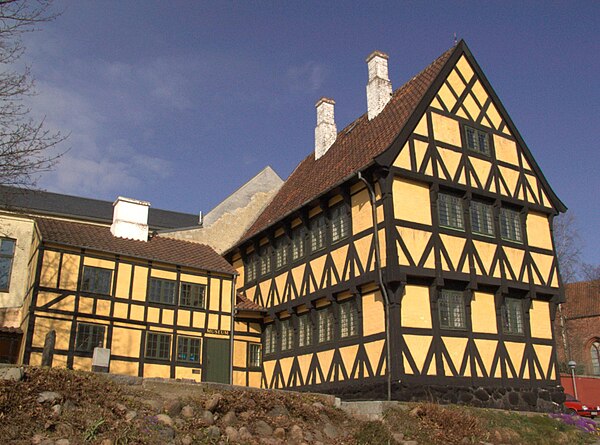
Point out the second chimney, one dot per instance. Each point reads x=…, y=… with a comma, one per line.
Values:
x=379, y=88
x=325, y=131
x=130, y=219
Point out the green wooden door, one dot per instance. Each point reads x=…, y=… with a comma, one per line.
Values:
x=215, y=366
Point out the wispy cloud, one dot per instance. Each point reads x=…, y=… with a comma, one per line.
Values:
x=307, y=77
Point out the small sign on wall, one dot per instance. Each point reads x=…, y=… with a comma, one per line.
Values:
x=218, y=331
x=101, y=360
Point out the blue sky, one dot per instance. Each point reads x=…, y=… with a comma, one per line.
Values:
x=179, y=103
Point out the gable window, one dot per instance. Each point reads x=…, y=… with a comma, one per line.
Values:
x=451, y=309
x=512, y=316
x=297, y=243
x=270, y=339
x=595, y=351
x=7, y=251
x=317, y=233
x=477, y=140
x=158, y=345
x=348, y=319
x=325, y=323
x=265, y=261
x=450, y=211
x=192, y=295
x=281, y=252
x=340, y=223
x=305, y=336
x=161, y=291
x=510, y=225
x=287, y=335
x=254, y=355
x=89, y=336
x=188, y=349
x=96, y=279
x=251, y=266
x=482, y=220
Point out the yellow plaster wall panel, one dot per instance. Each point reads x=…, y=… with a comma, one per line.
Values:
x=265, y=286
x=483, y=313
x=140, y=281
x=446, y=129
x=97, y=262
x=238, y=265
x=199, y=320
x=479, y=92
x=86, y=305
x=515, y=259
x=487, y=351
x=362, y=217
x=304, y=364
x=239, y=378
x=317, y=266
x=422, y=126
x=163, y=274
x=35, y=359
x=482, y=169
x=418, y=345
x=373, y=313
x=506, y=150
x=225, y=323
x=239, y=353
x=416, y=241
x=45, y=325
x=123, y=280
x=268, y=367
x=152, y=370
x=215, y=294
x=435, y=103
x=454, y=247
x=44, y=298
x=348, y=358
x=297, y=274
x=103, y=307
x=416, y=310
x=456, y=82
x=472, y=107
x=126, y=342
x=486, y=252
x=325, y=358
x=182, y=372
x=451, y=160
x=69, y=272
x=511, y=178
x=339, y=256
x=167, y=316
x=59, y=361
x=183, y=317
x=153, y=314
x=539, y=318
x=286, y=366
x=533, y=183
x=411, y=201
x=50, y=267
x=82, y=363
x=137, y=312
x=123, y=368
x=515, y=352
x=226, y=303
x=254, y=379
x=382, y=248
x=465, y=68
x=374, y=350
x=456, y=347
x=544, y=264
x=197, y=279
x=250, y=293
x=447, y=97
x=363, y=246
x=333, y=201
x=420, y=150
x=538, y=231
x=213, y=321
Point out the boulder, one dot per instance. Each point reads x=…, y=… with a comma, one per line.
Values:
x=262, y=428
x=213, y=403
x=48, y=396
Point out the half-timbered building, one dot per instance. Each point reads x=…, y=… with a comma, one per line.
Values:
x=411, y=254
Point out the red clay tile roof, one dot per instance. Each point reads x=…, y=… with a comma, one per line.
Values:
x=583, y=299
x=354, y=149
x=242, y=303
x=158, y=248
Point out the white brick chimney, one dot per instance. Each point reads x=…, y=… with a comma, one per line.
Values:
x=130, y=219
x=325, y=131
x=379, y=88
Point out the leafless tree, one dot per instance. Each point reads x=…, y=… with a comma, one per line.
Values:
x=25, y=143
x=568, y=246
x=590, y=272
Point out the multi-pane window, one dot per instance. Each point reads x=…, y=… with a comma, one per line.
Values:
x=251, y=267
x=510, y=225
x=477, y=140
x=595, y=351
x=287, y=335
x=304, y=331
x=254, y=355
x=317, y=233
x=450, y=211
x=282, y=252
x=348, y=319
x=451, y=308
x=89, y=336
x=340, y=223
x=265, y=261
x=192, y=295
x=96, y=279
x=270, y=339
x=7, y=251
x=512, y=316
x=188, y=349
x=297, y=243
x=158, y=345
x=325, y=323
x=161, y=291
x=482, y=220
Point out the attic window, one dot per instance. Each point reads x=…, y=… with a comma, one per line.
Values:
x=477, y=140
x=351, y=127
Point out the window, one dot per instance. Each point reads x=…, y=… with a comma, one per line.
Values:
x=7, y=251
x=325, y=320
x=317, y=233
x=158, y=345
x=287, y=335
x=161, y=291
x=595, y=351
x=477, y=140
x=281, y=252
x=265, y=261
x=270, y=339
x=96, y=279
x=512, y=316
x=297, y=243
x=482, y=220
x=304, y=331
x=188, y=349
x=251, y=267
x=348, y=319
x=510, y=225
x=89, y=336
x=254, y=355
x=192, y=295
x=451, y=308
x=340, y=223
x=450, y=211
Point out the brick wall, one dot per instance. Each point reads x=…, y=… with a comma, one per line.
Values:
x=580, y=334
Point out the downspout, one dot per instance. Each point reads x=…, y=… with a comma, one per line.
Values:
x=231, y=328
x=381, y=285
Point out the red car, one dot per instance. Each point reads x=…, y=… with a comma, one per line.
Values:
x=574, y=406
